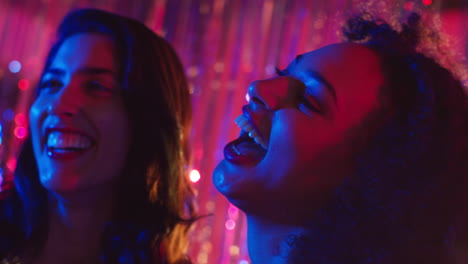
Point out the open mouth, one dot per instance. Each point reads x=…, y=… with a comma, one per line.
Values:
x=250, y=148
x=62, y=142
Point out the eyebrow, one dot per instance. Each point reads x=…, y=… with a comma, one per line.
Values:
x=84, y=70
x=316, y=75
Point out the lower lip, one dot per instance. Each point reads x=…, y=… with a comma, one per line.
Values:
x=65, y=155
x=231, y=155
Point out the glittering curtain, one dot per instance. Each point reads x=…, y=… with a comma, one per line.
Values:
x=224, y=45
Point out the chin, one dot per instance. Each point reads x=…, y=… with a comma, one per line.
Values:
x=60, y=187
x=233, y=182
x=240, y=186
x=59, y=183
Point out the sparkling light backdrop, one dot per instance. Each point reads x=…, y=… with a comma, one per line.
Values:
x=224, y=45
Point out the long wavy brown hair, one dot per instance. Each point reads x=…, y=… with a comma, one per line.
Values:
x=155, y=207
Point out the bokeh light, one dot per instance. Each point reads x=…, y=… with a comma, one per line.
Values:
x=234, y=250
x=427, y=2
x=194, y=176
x=233, y=212
x=11, y=164
x=14, y=66
x=20, y=132
x=192, y=71
x=8, y=114
x=247, y=97
x=243, y=262
x=23, y=84
x=230, y=224
x=20, y=119
x=409, y=6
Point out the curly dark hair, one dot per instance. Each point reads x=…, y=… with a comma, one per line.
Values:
x=406, y=202
x=155, y=207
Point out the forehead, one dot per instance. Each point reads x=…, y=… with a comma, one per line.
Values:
x=353, y=59
x=85, y=50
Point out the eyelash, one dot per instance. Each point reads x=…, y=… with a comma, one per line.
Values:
x=302, y=98
x=306, y=102
x=281, y=72
x=49, y=84
x=93, y=85
x=55, y=84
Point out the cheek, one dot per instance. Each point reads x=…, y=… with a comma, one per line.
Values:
x=35, y=115
x=304, y=137
x=114, y=128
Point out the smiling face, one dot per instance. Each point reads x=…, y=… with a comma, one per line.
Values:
x=303, y=121
x=79, y=127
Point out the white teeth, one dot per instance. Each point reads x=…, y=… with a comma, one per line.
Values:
x=244, y=124
x=241, y=120
x=57, y=139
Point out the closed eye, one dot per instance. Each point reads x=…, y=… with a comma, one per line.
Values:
x=308, y=103
x=281, y=72
x=94, y=86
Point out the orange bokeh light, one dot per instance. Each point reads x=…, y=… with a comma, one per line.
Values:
x=194, y=176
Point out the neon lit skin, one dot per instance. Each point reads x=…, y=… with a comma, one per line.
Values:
x=79, y=102
x=306, y=118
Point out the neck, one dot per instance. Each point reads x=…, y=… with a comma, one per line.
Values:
x=269, y=241
x=76, y=222
x=77, y=215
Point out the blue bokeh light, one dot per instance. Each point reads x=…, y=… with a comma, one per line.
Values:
x=8, y=114
x=14, y=66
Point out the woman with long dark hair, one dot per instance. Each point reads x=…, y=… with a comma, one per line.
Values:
x=355, y=153
x=101, y=179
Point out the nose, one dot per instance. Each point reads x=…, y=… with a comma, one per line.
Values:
x=65, y=102
x=275, y=93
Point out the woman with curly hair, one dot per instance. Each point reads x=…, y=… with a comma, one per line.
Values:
x=102, y=177
x=355, y=153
